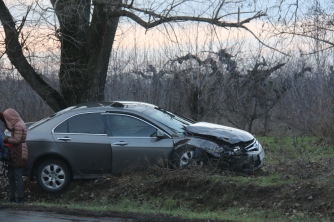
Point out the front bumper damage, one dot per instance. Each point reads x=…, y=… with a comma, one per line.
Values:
x=238, y=158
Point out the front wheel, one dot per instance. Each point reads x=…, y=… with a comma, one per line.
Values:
x=185, y=157
x=53, y=176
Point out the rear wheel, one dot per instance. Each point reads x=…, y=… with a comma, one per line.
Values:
x=53, y=176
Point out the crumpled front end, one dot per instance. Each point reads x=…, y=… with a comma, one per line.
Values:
x=241, y=157
x=248, y=158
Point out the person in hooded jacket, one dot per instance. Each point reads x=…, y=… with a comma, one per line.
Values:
x=18, y=152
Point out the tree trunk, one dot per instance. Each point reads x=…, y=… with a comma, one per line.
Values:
x=85, y=49
x=102, y=35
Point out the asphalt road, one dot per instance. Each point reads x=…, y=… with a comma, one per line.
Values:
x=8, y=215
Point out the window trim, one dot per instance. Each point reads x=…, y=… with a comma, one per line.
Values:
x=76, y=114
x=136, y=117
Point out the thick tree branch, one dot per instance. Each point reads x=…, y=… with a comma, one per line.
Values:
x=15, y=55
x=159, y=19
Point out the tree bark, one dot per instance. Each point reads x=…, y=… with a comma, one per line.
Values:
x=102, y=34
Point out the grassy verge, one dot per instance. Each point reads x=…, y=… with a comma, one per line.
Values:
x=171, y=208
x=295, y=184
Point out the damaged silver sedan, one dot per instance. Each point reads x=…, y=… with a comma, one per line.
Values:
x=88, y=140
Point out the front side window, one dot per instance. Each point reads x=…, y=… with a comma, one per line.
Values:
x=90, y=123
x=128, y=126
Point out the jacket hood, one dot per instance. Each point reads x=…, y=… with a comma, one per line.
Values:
x=225, y=133
x=11, y=117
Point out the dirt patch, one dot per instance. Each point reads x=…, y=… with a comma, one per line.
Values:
x=305, y=196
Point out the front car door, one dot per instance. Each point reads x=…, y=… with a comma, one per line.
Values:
x=134, y=142
x=84, y=141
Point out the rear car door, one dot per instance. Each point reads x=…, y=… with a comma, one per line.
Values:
x=134, y=142
x=84, y=141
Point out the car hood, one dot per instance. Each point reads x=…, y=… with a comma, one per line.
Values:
x=225, y=133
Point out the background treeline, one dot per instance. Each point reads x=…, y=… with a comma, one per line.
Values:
x=263, y=96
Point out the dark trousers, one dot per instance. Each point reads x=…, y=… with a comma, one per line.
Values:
x=15, y=182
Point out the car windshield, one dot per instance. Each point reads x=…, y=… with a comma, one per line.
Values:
x=175, y=122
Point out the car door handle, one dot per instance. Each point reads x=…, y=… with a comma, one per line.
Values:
x=120, y=143
x=64, y=139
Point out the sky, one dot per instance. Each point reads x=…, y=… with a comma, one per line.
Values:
x=131, y=33
x=179, y=38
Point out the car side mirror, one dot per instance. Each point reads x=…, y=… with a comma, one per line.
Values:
x=160, y=134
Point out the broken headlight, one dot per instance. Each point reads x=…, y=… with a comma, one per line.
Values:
x=237, y=150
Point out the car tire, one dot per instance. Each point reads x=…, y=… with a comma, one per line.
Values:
x=53, y=176
x=183, y=157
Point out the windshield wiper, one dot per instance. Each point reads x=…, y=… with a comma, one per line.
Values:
x=165, y=111
x=178, y=117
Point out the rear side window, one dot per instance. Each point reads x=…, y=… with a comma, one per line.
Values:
x=90, y=123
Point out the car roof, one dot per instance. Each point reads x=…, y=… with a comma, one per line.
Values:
x=108, y=106
x=114, y=104
x=128, y=106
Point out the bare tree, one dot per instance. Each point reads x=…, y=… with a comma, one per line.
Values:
x=86, y=31
x=304, y=25
x=306, y=28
